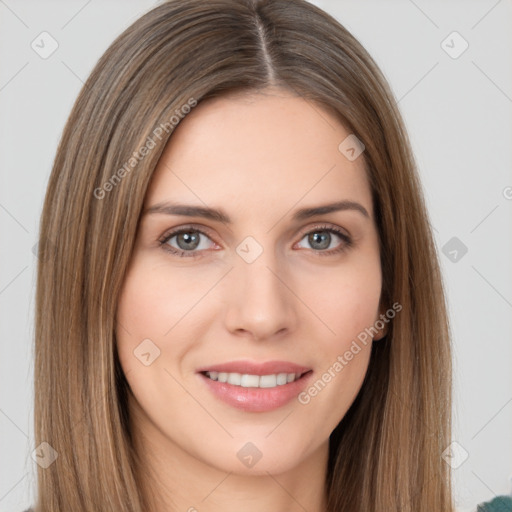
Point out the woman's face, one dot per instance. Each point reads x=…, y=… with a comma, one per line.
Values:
x=266, y=292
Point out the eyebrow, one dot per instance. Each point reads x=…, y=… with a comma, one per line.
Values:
x=217, y=214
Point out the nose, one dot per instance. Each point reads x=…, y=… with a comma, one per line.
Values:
x=261, y=303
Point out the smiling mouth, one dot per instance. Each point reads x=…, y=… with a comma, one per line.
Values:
x=246, y=380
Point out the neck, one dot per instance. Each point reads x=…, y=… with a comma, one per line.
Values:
x=175, y=480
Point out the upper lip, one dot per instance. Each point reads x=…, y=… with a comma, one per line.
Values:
x=255, y=368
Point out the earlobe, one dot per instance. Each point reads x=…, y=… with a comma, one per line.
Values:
x=381, y=324
x=381, y=335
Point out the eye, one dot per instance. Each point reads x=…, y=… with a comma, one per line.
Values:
x=188, y=239
x=321, y=238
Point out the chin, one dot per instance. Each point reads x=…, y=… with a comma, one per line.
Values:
x=260, y=455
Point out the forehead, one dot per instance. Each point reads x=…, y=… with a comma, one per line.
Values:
x=258, y=152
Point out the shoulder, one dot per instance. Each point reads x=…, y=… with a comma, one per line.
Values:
x=498, y=504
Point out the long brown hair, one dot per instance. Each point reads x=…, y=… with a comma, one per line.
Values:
x=385, y=455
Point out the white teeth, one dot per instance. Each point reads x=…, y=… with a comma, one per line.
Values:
x=234, y=378
x=268, y=381
x=250, y=381
x=254, y=381
x=281, y=379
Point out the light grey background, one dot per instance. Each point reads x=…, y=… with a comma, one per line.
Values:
x=458, y=113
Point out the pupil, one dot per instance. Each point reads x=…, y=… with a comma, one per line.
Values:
x=324, y=239
x=190, y=241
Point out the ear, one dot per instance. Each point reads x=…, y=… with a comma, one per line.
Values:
x=381, y=323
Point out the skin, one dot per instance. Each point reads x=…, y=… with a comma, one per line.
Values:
x=259, y=157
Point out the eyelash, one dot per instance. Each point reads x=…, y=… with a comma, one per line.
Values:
x=195, y=254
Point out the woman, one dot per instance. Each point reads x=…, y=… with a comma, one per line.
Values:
x=239, y=303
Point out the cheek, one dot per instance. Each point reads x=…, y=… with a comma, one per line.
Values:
x=147, y=310
x=141, y=316
x=158, y=304
x=348, y=307
x=330, y=395
x=151, y=302
x=345, y=300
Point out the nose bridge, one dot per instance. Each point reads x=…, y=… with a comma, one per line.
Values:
x=260, y=301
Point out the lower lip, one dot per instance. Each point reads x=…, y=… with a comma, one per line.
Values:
x=256, y=399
